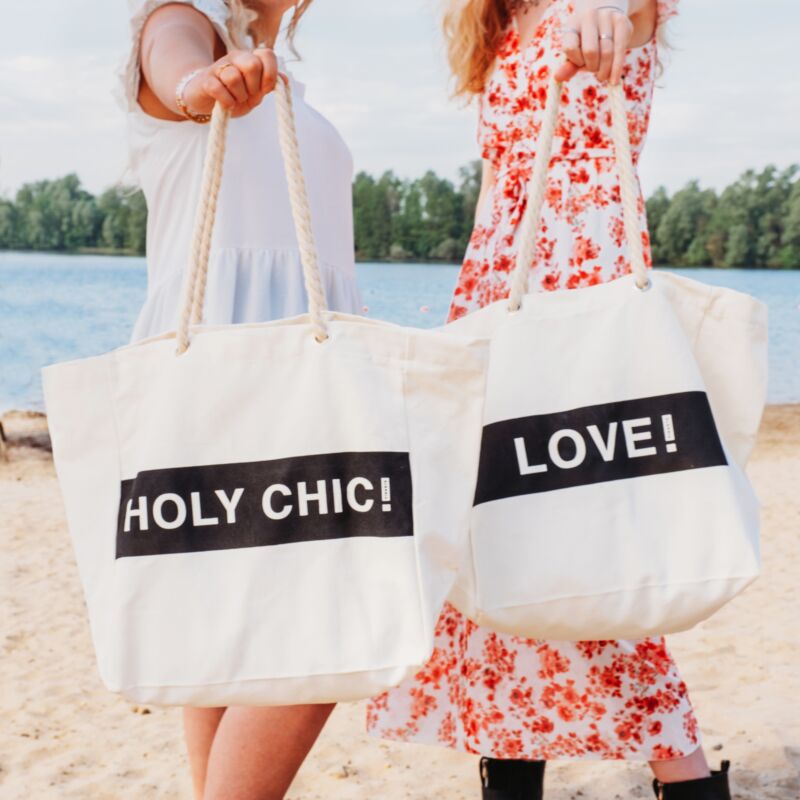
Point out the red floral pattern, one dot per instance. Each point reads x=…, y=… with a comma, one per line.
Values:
x=580, y=240
x=489, y=693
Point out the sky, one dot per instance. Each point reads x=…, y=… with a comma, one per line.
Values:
x=729, y=98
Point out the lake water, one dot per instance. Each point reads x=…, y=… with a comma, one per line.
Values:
x=55, y=308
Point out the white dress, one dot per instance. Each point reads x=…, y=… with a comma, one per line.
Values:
x=255, y=274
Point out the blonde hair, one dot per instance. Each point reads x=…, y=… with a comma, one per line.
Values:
x=243, y=16
x=473, y=30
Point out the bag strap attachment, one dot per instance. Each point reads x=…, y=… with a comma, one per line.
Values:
x=537, y=190
x=197, y=277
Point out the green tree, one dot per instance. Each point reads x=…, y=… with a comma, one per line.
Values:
x=657, y=206
x=681, y=233
x=57, y=215
x=375, y=203
x=9, y=226
x=790, y=240
x=136, y=235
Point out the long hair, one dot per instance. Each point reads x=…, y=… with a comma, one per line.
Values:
x=473, y=31
x=243, y=16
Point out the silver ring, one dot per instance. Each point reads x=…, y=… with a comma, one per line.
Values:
x=607, y=36
x=611, y=8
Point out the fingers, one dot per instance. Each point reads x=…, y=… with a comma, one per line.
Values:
x=590, y=42
x=269, y=70
x=250, y=67
x=566, y=71
x=247, y=76
x=596, y=40
x=605, y=27
x=571, y=46
x=571, y=43
x=214, y=88
x=623, y=31
x=229, y=75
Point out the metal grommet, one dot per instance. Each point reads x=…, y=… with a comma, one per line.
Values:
x=646, y=287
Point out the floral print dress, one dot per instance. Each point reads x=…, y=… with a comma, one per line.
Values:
x=493, y=694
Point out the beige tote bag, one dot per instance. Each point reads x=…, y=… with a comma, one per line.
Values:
x=267, y=514
x=611, y=500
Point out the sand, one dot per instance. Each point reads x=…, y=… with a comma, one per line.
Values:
x=64, y=736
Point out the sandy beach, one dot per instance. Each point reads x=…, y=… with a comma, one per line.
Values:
x=64, y=736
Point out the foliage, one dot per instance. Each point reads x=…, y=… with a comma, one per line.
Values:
x=754, y=222
x=60, y=215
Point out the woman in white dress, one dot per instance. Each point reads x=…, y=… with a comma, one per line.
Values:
x=186, y=56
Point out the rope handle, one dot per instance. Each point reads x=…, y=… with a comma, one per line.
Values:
x=197, y=276
x=537, y=190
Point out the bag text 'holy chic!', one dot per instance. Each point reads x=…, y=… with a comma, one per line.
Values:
x=229, y=506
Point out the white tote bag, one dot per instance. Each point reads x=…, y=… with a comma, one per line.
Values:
x=267, y=514
x=611, y=500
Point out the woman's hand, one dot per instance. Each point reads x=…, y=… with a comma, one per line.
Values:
x=177, y=41
x=596, y=38
x=239, y=81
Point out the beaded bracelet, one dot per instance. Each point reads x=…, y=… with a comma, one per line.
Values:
x=202, y=119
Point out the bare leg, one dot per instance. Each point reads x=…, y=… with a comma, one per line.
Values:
x=682, y=769
x=257, y=751
x=200, y=726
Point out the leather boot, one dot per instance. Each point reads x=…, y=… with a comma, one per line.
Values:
x=713, y=788
x=509, y=779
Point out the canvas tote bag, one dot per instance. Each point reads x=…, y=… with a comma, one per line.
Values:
x=267, y=514
x=611, y=500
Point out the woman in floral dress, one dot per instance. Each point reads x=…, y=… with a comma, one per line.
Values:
x=517, y=702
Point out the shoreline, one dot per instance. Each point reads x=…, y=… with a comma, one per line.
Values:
x=431, y=262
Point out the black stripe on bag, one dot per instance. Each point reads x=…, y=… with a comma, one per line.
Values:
x=231, y=506
x=596, y=444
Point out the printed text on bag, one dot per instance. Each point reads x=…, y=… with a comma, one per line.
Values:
x=609, y=442
x=230, y=506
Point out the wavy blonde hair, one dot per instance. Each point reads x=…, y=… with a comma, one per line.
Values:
x=473, y=31
x=243, y=16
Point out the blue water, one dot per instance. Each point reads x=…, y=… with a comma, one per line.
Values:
x=55, y=308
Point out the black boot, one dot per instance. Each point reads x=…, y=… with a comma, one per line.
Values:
x=508, y=779
x=713, y=788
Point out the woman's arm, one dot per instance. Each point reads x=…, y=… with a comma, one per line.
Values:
x=177, y=40
x=488, y=180
x=600, y=32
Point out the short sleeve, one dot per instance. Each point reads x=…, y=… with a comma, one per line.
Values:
x=129, y=71
x=666, y=10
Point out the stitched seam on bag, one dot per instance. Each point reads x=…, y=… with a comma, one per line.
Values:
x=707, y=307
x=559, y=598
x=118, y=445
x=242, y=681
x=426, y=633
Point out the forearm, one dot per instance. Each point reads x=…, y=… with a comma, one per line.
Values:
x=644, y=16
x=176, y=40
x=488, y=179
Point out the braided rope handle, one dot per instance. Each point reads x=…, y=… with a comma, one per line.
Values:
x=197, y=277
x=195, y=285
x=537, y=190
x=301, y=210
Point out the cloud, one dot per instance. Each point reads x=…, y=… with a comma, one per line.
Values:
x=377, y=69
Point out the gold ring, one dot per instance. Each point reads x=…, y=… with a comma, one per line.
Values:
x=222, y=69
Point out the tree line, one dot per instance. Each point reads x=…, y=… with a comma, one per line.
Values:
x=754, y=222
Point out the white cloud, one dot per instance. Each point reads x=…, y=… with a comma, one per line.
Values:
x=729, y=99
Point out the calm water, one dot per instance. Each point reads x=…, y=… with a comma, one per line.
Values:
x=55, y=308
